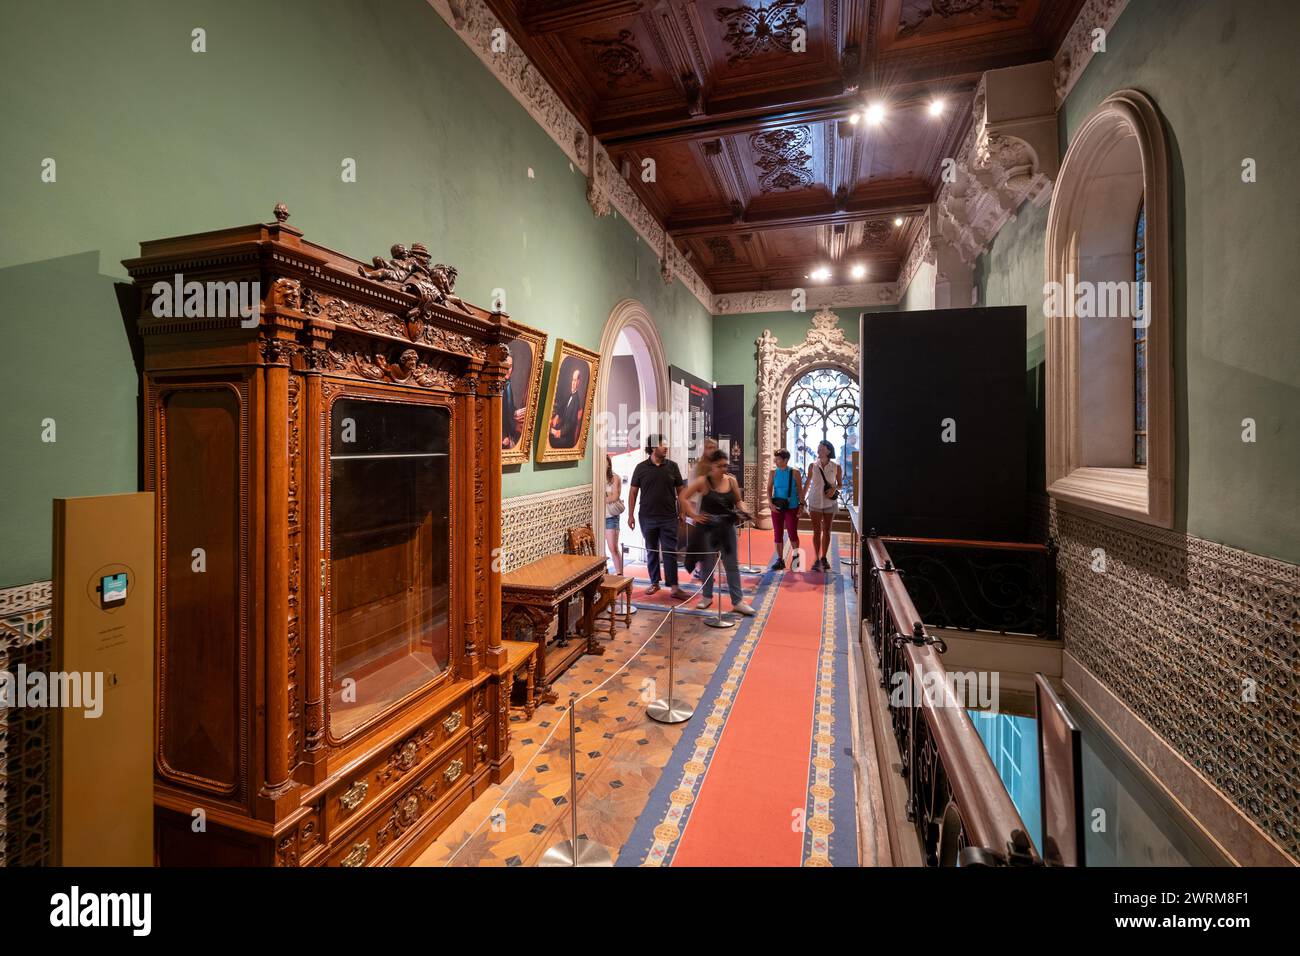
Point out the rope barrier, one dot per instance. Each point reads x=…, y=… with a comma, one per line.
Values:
x=573, y=702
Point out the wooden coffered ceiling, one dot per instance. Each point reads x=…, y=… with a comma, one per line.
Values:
x=732, y=118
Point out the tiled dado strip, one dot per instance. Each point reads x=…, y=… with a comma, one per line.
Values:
x=1201, y=642
x=533, y=526
x=24, y=795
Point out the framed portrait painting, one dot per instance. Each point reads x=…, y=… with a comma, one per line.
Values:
x=521, y=394
x=566, y=409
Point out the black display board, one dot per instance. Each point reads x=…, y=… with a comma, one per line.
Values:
x=944, y=422
x=729, y=420
x=691, y=404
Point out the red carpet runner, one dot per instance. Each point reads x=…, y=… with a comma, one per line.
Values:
x=764, y=778
x=758, y=779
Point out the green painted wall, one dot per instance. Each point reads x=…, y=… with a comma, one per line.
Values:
x=153, y=140
x=735, y=356
x=1223, y=77
x=919, y=294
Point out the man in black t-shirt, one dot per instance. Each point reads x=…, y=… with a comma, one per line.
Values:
x=656, y=482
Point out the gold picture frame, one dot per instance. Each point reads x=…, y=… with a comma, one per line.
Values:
x=561, y=423
x=525, y=385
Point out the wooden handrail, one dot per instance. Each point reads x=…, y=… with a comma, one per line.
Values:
x=989, y=818
x=966, y=543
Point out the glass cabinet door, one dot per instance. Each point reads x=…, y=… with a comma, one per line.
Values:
x=389, y=554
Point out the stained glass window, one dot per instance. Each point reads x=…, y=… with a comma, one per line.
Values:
x=822, y=404
x=1140, y=340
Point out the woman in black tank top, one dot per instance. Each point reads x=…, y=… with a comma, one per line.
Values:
x=721, y=509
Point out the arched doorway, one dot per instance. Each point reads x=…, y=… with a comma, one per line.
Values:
x=778, y=368
x=822, y=404
x=631, y=399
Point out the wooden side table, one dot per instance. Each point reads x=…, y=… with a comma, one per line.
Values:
x=534, y=596
x=521, y=663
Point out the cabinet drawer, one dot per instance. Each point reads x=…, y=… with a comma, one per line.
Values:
x=392, y=767
x=404, y=809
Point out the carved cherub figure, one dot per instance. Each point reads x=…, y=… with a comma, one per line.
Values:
x=444, y=280
x=397, y=269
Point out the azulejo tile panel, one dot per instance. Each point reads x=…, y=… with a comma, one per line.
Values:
x=24, y=734
x=1200, y=640
x=533, y=526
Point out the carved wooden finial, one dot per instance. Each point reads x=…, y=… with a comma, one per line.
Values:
x=281, y=212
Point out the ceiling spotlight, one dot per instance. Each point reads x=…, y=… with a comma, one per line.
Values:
x=898, y=220
x=936, y=107
x=821, y=274
x=859, y=271
x=853, y=119
x=875, y=113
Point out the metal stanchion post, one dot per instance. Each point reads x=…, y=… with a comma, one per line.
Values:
x=578, y=851
x=631, y=608
x=668, y=710
x=749, y=567
x=720, y=620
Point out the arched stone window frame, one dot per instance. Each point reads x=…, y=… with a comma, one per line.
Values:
x=778, y=368
x=1078, y=384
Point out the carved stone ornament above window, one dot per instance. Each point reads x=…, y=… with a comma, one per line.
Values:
x=1001, y=163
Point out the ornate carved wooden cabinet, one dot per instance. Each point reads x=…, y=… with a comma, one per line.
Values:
x=328, y=475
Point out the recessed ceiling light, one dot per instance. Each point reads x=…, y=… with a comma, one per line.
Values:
x=936, y=107
x=853, y=119
x=898, y=220
x=859, y=271
x=821, y=273
x=875, y=113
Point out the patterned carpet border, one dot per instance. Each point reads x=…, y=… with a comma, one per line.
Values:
x=655, y=836
x=831, y=786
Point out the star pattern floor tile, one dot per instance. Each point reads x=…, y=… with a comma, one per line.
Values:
x=621, y=751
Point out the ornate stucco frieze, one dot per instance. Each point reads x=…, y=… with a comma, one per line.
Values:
x=817, y=297
x=475, y=24
x=1077, y=50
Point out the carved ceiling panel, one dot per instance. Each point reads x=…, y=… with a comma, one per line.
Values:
x=618, y=58
x=781, y=157
x=731, y=118
x=752, y=31
x=920, y=17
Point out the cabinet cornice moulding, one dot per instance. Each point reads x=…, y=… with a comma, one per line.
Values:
x=474, y=23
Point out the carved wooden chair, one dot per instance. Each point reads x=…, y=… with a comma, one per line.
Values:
x=581, y=540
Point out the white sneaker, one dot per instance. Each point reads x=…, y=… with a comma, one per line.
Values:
x=745, y=608
x=704, y=603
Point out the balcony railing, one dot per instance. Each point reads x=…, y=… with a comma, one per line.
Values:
x=1008, y=587
x=955, y=798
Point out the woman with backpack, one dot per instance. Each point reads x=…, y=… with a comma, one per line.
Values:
x=785, y=492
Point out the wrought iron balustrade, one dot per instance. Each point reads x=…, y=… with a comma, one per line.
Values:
x=1008, y=587
x=955, y=798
